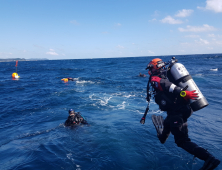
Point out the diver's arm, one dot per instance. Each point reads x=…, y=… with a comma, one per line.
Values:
x=84, y=121
x=162, y=84
x=165, y=85
x=81, y=119
x=67, y=122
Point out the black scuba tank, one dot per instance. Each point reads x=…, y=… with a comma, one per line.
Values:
x=179, y=75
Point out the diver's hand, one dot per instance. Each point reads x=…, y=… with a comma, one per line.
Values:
x=142, y=121
x=191, y=95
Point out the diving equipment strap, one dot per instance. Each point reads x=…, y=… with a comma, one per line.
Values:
x=142, y=121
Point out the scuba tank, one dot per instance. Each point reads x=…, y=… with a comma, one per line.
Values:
x=179, y=75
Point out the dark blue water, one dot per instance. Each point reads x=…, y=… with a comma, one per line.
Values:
x=111, y=96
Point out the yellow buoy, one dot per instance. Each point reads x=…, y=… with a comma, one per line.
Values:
x=15, y=75
x=65, y=79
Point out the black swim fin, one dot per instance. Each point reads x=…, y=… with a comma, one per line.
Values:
x=158, y=123
x=210, y=164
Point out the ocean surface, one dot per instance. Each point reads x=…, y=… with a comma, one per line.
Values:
x=111, y=96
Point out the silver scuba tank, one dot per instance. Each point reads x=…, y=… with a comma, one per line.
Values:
x=179, y=75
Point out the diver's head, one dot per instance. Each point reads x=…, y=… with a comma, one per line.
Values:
x=155, y=66
x=71, y=111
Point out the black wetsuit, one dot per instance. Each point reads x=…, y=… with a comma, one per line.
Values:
x=71, y=79
x=75, y=120
x=178, y=111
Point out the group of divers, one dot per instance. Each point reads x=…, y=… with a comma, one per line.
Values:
x=176, y=93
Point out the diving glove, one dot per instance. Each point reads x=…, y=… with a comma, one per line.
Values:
x=189, y=95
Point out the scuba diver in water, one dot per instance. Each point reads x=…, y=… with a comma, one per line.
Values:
x=68, y=79
x=176, y=101
x=74, y=118
x=142, y=75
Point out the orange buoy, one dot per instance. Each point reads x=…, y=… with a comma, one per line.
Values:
x=15, y=75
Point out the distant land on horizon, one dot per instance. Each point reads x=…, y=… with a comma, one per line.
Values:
x=37, y=59
x=21, y=59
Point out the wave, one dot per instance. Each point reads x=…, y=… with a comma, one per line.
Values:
x=108, y=101
x=78, y=81
x=103, y=101
x=213, y=56
x=116, y=101
x=84, y=82
x=122, y=105
x=139, y=112
x=214, y=69
x=123, y=94
x=25, y=135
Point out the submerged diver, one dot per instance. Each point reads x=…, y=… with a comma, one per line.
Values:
x=175, y=101
x=142, y=75
x=74, y=118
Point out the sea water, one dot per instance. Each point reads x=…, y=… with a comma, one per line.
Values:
x=111, y=96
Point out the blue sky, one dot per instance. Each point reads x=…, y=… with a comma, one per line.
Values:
x=73, y=29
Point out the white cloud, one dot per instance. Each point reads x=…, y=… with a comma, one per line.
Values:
x=218, y=42
x=5, y=55
x=119, y=46
x=201, y=42
x=151, y=52
x=74, y=22
x=118, y=24
x=211, y=35
x=185, y=44
x=184, y=13
x=199, y=7
x=171, y=20
x=192, y=36
x=154, y=19
x=204, y=41
x=156, y=13
x=203, y=28
x=214, y=5
x=51, y=52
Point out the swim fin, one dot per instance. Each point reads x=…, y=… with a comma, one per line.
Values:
x=158, y=123
x=210, y=164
